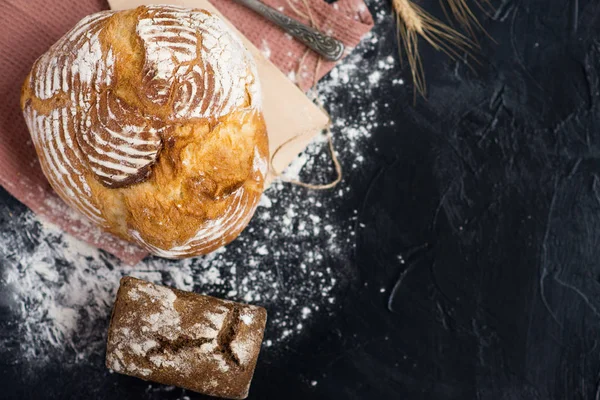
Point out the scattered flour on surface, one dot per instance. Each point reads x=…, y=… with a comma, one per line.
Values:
x=265, y=49
x=59, y=291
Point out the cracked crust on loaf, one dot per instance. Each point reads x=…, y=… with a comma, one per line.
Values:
x=185, y=339
x=148, y=122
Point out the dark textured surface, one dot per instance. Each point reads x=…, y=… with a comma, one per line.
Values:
x=479, y=211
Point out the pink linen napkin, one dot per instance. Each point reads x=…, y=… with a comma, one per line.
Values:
x=30, y=27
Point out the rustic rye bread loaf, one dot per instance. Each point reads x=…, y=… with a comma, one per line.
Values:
x=179, y=338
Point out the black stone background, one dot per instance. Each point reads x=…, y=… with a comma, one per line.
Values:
x=490, y=192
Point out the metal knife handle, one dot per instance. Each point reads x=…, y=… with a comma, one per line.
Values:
x=330, y=48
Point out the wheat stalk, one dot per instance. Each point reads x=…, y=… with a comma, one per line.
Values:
x=414, y=22
x=465, y=17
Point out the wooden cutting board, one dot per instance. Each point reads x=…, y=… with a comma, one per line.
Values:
x=287, y=110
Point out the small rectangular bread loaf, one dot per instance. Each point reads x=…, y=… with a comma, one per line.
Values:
x=184, y=339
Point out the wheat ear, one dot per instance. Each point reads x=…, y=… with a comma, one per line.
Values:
x=465, y=17
x=414, y=22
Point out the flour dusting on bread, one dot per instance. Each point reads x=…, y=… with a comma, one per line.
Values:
x=213, y=87
x=148, y=122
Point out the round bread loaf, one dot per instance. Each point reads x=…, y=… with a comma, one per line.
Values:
x=148, y=122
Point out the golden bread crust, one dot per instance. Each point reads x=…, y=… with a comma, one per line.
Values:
x=148, y=122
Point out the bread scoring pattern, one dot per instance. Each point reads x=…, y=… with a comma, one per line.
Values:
x=87, y=129
x=194, y=56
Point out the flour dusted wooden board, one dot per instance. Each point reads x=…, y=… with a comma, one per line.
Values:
x=287, y=110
